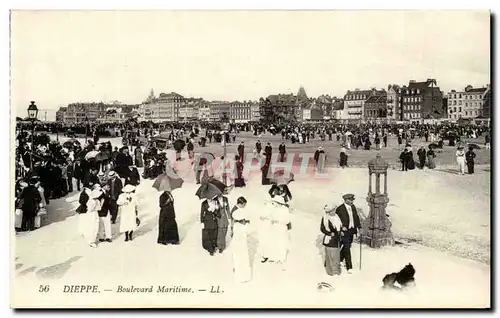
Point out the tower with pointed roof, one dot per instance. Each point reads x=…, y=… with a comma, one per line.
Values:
x=151, y=96
x=301, y=94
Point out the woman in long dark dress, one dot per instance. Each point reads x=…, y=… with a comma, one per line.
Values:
x=168, y=232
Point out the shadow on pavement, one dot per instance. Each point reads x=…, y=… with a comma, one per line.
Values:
x=58, y=270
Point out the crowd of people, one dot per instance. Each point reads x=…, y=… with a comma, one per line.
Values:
x=108, y=178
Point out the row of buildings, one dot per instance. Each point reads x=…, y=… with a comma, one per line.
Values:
x=95, y=112
x=415, y=102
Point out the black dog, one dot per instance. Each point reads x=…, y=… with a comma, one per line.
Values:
x=405, y=278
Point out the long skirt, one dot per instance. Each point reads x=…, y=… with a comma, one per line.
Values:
x=89, y=226
x=332, y=260
x=321, y=162
x=430, y=162
x=461, y=165
x=209, y=239
x=241, y=259
x=280, y=243
x=168, y=232
x=221, y=238
x=138, y=161
x=127, y=220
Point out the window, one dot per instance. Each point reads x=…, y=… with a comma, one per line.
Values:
x=459, y=95
x=454, y=102
x=449, y=102
x=466, y=113
x=466, y=104
x=460, y=102
x=454, y=95
x=459, y=109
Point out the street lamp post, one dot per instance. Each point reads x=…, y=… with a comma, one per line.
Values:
x=86, y=127
x=225, y=120
x=32, y=114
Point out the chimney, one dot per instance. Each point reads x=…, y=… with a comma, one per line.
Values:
x=412, y=82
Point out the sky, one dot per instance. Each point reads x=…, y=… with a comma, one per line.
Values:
x=60, y=57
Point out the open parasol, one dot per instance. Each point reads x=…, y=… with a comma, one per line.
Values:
x=473, y=146
x=71, y=143
x=167, y=182
x=221, y=186
x=91, y=154
x=208, y=190
x=102, y=156
x=179, y=144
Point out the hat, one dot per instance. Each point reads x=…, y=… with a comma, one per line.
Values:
x=320, y=148
x=128, y=188
x=460, y=147
x=23, y=184
x=111, y=173
x=100, y=174
x=348, y=196
x=329, y=208
x=96, y=193
x=96, y=186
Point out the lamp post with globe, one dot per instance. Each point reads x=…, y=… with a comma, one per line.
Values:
x=225, y=127
x=32, y=115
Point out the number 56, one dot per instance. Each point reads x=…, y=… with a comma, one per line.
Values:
x=43, y=288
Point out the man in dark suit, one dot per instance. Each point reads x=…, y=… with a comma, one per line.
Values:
x=210, y=213
x=133, y=176
x=115, y=189
x=282, y=150
x=241, y=151
x=350, y=225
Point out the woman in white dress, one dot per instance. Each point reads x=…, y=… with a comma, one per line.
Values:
x=280, y=218
x=460, y=154
x=265, y=234
x=89, y=221
x=127, y=202
x=241, y=259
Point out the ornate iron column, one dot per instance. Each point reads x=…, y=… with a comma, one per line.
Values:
x=376, y=228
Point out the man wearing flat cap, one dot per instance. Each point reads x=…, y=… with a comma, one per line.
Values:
x=350, y=225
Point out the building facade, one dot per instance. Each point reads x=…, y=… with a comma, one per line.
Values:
x=467, y=103
x=204, y=111
x=60, y=114
x=375, y=108
x=394, y=102
x=255, y=110
x=218, y=109
x=487, y=103
x=240, y=112
x=189, y=110
x=82, y=112
x=280, y=108
x=165, y=107
x=354, y=103
x=113, y=115
x=421, y=100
